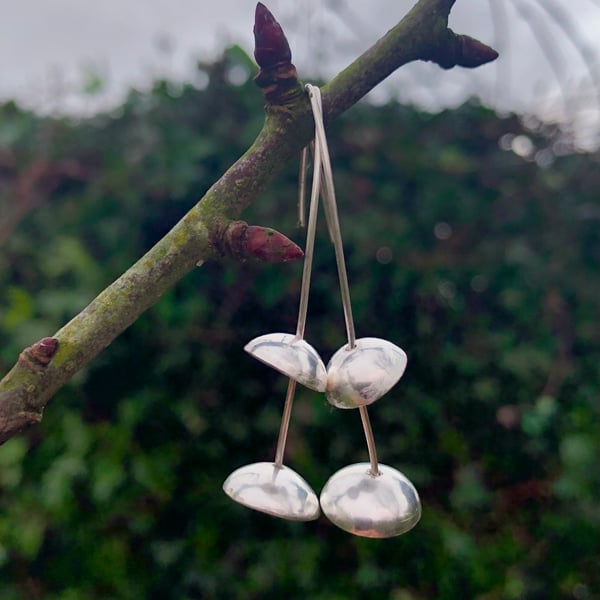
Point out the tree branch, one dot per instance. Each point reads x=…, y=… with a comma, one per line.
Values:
x=209, y=229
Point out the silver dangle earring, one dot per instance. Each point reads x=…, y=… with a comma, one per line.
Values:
x=366, y=499
x=273, y=488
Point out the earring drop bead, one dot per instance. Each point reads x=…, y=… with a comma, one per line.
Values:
x=373, y=506
x=361, y=375
x=273, y=489
x=291, y=356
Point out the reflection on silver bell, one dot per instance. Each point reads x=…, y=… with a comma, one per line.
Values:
x=359, y=376
x=373, y=506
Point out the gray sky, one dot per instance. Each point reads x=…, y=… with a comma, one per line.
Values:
x=48, y=48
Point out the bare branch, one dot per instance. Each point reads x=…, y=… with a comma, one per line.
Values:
x=203, y=232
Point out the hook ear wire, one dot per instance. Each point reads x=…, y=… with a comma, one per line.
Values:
x=330, y=208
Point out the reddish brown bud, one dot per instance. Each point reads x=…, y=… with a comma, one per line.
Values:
x=461, y=50
x=270, y=246
x=474, y=53
x=242, y=241
x=44, y=350
x=39, y=354
x=270, y=43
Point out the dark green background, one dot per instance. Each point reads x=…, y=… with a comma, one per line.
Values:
x=117, y=494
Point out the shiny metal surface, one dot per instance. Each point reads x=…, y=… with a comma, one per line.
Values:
x=375, y=507
x=291, y=356
x=276, y=491
x=366, y=499
x=359, y=376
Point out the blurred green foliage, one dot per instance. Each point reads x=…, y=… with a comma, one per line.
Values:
x=480, y=263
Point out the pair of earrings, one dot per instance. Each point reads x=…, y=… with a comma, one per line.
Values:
x=366, y=499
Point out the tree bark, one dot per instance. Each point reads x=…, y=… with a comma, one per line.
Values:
x=205, y=232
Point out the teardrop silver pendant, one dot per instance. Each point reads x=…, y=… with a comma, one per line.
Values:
x=273, y=489
x=358, y=376
x=375, y=506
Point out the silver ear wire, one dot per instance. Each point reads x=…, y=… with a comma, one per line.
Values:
x=330, y=208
